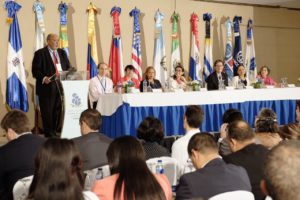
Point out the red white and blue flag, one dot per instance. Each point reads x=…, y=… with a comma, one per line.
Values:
x=237, y=54
x=250, y=62
x=16, y=90
x=195, y=67
x=228, y=61
x=208, y=60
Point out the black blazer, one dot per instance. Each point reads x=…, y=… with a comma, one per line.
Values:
x=93, y=148
x=42, y=65
x=213, y=81
x=252, y=158
x=154, y=150
x=214, y=178
x=17, y=161
x=155, y=85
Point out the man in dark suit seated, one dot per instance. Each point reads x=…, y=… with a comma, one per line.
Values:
x=247, y=154
x=17, y=156
x=92, y=144
x=213, y=176
x=214, y=79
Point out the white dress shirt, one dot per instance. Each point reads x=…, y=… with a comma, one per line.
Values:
x=99, y=85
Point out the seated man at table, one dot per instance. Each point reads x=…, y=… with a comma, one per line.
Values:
x=99, y=85
x=213, y=176
x=214, y=79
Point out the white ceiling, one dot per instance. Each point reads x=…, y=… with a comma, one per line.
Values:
x=281, y=3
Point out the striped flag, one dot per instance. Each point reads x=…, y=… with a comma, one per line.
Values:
x=159, y=60
x=228, y=51
x=39, y=8
x=175, y=56
x=63, y=33
x=250, y=62
x=208, y=60
x=92, y=56
x=195, y=67
x=16, y=90
x=136, y=55
x=116, y=57
x=237, y=54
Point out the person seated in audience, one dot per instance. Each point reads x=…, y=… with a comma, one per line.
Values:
x=281, y=172
x=99, y=85
x=247, y=154
x=218, y=75
x=178, y=81
x=212, y=176
x=264, y=74
x=129, y=76
x=193, y=118
x=150, y=78
x=298, y=111
x=58, y=172
x=151, y=132
x=131, y=178
x=92, y=144
x=266, y=128
x=17, y=156
x=240, y=79
x=290, y=131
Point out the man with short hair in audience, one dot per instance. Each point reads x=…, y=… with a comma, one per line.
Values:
x=281, y=172
x=213, y=176
x=246, y=153
x=192, y=120
x=17, y=156
x=92, y=144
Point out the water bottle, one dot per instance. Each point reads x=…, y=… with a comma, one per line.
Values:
x=145, y=86
x=99, y=174
x=159, y=167
x=119, y=87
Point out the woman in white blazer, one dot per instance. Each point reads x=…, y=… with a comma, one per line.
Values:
x=240, y=81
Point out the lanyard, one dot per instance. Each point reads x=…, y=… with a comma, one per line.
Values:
x=103, y=87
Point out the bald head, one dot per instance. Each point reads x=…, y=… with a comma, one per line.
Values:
x=52, y=41
x=240, y=131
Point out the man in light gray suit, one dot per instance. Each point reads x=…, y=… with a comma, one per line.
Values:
x=92, y=144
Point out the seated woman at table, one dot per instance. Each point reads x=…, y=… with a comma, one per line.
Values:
x=131, y=178
x=218, y=75
x=150, y=79
x=264, y=74
x=240, y=79
x=178, y=81
x=129, y=77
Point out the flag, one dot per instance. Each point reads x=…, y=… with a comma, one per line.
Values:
x=228, y=61
x=208, y=60
x=237, y=54
x=39, y=8
x=159, y=58
x=136, y=55
x=195, y=67
x=16, y=90
x=116, y=57
x=92, y=56
x=250, y=62
x=63, y=33
x=175, y=56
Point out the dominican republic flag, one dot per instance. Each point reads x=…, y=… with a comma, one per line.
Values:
x=228, y=61
x=208, y=60
x=195, y=67
x=159, y=60
x=39, y=8
x=175, y=56
x=63, y=31
x=116, y=57
x=16, y=90
x=136, y=55
x=237, y=54
x=250, y=61
x=92, y=56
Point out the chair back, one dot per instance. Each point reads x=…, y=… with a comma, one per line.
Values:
x=21, y=188
x=91, y=176
x=234, y=195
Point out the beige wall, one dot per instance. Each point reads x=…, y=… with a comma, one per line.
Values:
x=276, y=33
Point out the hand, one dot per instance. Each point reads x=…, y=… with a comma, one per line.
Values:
x=182, y=78
x=223, y=130
x=46, y=80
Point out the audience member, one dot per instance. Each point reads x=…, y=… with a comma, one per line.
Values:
x=264, y=74
x=151, y=132
x=178, y=81
x=150, y=78
x=298, y=111
x=92, y=144
x=99, y=85
x=17, y=156
x=240, y=80
x=58, y=172
x=213, y=176
x=281, y=172
x=129, y=76
x=218, y=75
x=246, y=153
x=131, y=179
x=290, y=131
x=193, y=118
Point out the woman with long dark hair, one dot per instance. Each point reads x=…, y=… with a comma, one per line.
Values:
x=131, y=179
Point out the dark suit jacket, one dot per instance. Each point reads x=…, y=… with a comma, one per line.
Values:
x=154, y=150
x=155, y=85
x=42, y=65
x=252, y=158
x=214, y=178
x=213, y=81
x=17, y=161
x=93, y=148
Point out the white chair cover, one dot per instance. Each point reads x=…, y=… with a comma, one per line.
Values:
x=91, y=176
x=21, y=188
x=234, y=195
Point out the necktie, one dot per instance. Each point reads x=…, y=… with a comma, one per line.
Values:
x=55, y=62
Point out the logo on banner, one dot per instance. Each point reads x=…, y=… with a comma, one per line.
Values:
x=76, y=101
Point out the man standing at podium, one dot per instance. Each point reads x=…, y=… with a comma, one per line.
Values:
x=46, y=65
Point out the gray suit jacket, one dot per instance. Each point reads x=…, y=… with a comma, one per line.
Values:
x=93, y=148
